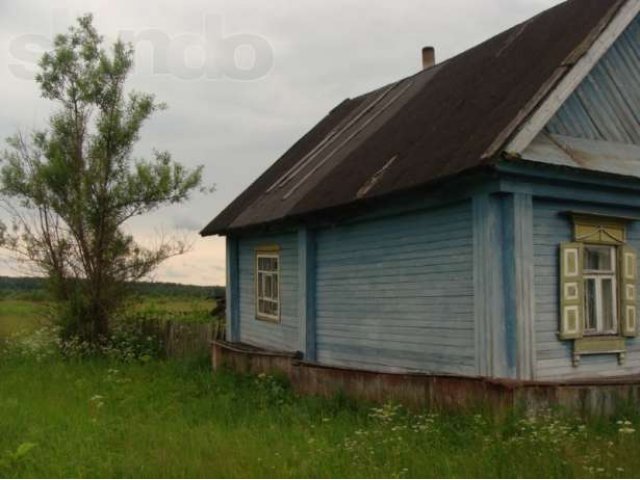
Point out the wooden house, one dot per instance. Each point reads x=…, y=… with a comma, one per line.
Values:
x=479, y=219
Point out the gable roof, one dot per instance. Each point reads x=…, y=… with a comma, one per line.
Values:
x=450, y=118
x=598, y=126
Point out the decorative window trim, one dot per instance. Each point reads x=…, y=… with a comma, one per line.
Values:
x=272, y=252
x=599, y=345
x=597, y=230
x=267, y=249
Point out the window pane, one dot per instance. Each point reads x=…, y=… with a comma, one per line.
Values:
x=608, y=323
x=268, y=308
x=598, y=258
x=259, y=285
x=267, y=286
x=267, y=264
x=590, y=304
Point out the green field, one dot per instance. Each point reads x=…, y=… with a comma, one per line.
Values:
x=18, y=315
x=99, y=418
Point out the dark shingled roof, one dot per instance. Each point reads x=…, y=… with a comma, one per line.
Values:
x=447, y=119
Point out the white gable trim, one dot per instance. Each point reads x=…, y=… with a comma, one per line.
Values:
x=585, y=154
x=556, y=98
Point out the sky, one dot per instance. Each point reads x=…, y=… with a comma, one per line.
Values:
x=243, y=79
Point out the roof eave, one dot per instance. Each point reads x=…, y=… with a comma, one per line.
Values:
x=351, y=209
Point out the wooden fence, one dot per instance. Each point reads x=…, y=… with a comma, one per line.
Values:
x=191, y=339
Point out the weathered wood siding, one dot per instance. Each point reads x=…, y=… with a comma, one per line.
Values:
x=277, y=336
x=397, y=293
x=554, y=356
x=605, y=106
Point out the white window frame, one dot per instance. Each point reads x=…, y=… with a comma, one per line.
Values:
x=261, y=315
x=599, y=276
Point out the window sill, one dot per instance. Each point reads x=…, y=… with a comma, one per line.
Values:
x=598, y=345
x=260, y=318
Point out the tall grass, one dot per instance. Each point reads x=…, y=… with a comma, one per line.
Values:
x=20, y=315
x=100, y=417
x=175, y=419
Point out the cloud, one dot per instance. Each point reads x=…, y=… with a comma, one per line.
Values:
x=323, y=52
x=186, y=223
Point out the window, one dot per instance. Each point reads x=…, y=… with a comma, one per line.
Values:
x=268, y=285
x=598, y=274
x=600, y=312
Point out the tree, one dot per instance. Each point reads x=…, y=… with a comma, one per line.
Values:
x=69, y=189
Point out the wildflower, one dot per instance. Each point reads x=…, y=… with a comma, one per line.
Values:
x=97, y=401
x=626, y=430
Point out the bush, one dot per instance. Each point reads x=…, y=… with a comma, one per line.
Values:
x=139, y=332
x=127, y=343
x=39, y=345
x=130, y=340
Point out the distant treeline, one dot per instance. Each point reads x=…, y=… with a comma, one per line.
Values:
x=161, y=289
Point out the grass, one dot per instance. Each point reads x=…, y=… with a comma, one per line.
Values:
x=172, y=419
x=17, y=315
x=99, y=418
x=183, y=309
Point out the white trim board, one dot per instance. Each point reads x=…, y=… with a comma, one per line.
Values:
x=596, y=155
x=566, y=86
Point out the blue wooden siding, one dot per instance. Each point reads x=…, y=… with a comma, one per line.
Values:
x=553, y=357
x=397, y=293
x=606, y=105
x=232, y=292
x=277, y=336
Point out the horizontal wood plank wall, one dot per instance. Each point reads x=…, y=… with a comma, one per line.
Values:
x=277, y=336
x=553, y=357
x=397, y=293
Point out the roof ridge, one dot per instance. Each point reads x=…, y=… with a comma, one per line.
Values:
x=457, y=112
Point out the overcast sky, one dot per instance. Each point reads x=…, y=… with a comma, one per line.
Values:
x=243, y=80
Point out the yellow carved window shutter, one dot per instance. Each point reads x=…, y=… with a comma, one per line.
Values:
x=628, y=296
x=571, y=291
